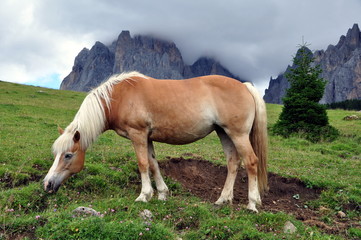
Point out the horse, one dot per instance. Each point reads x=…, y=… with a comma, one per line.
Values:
x=143, y=110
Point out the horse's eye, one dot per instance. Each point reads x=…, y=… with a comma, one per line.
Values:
x=68, y=156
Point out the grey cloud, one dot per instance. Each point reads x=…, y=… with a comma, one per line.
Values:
x=254, y=39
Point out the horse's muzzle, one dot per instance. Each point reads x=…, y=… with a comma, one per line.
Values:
x=52, y=186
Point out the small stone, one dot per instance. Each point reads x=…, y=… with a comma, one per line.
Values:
x=351, y=117
x=289, y=227
x=86, y=211
x=296, y=196
x=341, y=214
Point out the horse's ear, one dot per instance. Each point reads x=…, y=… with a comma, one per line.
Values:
x=76, y=137
x=60, y=130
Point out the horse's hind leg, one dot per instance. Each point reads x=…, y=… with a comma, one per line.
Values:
x=154, y=167
x=233, y=160
x=250, y=160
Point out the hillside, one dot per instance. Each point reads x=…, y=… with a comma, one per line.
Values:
x=110, y=181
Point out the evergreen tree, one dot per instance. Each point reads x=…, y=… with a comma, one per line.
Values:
x=302, y=113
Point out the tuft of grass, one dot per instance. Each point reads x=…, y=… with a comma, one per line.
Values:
x=27, y=199
x=98, y=228
x=355, y=233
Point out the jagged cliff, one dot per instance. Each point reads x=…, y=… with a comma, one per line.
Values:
x=148, y=55
x=341, y=68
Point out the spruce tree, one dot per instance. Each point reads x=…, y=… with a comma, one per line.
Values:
x=302, y=114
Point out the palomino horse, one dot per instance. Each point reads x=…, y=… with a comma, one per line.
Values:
x=144, y=110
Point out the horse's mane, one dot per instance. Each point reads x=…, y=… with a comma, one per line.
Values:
x=90, y=118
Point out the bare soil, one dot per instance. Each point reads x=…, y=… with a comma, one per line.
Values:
x=290, y=195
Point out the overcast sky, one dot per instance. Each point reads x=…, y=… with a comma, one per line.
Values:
x=254, y=39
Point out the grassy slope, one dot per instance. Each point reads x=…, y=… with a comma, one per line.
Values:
x=28, y=122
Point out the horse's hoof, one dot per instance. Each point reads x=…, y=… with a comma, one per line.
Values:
x=252, y=208
x=162, y=196
x=223, y=201
x=143, y=198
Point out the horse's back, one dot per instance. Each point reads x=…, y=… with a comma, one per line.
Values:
x=210, y=96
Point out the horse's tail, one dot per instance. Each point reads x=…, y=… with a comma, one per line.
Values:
x=259, y=139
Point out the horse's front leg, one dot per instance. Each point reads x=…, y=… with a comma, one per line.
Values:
x=154, y=167
x=140, y=144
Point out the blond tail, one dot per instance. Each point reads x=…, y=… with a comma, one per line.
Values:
x=259, y=139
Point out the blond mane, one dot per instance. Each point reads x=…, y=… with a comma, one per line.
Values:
x=90, y=118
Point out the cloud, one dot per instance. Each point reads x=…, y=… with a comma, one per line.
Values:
x=30, y=50
x=254, y=39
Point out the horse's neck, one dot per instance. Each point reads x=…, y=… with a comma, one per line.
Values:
x=90, y=120
x=89, y=130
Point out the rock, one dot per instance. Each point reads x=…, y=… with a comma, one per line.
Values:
x=86, y=211
x=351, y=117
x=341, y=214
x=341, y=68
x=289, y=227
x=296, y=196
x=148, y=55
x=277, y=89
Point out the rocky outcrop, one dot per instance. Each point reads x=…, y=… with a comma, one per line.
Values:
x=341, y=68
x=277, y=89
x=96, y=63
x=148, y=55
x=206, y=66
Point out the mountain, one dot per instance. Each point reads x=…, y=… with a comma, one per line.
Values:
x=148, y=55
x=341, y=68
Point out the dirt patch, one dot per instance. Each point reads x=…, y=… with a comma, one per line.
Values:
x=206, y=181
x=290, y=195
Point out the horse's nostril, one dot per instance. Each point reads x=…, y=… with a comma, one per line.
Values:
x=49, y=186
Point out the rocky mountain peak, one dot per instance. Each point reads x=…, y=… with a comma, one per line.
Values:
x=206, y=66
x=125, y=35
x=353, y=36
x=149, y=55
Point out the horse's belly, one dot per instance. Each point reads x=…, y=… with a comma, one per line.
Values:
x=183, y=123
x=180, y=134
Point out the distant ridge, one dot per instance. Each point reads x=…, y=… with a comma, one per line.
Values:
x=148, y=55
x=341, y=67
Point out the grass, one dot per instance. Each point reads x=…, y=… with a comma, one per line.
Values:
x=110, y=182
x=331, y=165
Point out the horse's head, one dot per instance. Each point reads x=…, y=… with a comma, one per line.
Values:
x=69, y=159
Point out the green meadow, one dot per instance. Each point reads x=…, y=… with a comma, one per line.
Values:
x=29, y=117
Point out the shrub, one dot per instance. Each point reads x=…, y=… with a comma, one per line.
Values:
x=302, y=114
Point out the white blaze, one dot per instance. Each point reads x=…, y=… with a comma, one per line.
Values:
x=53, y=167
